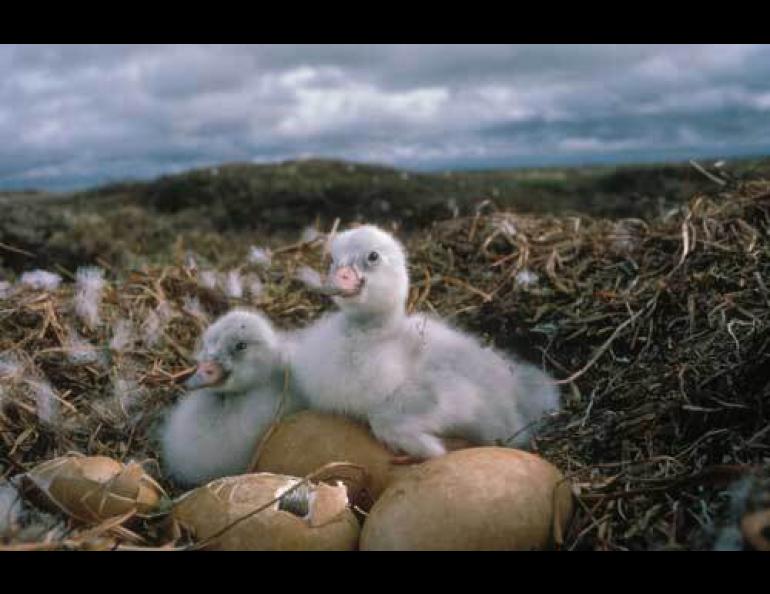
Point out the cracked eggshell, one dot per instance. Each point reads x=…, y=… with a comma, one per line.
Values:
x=485, y=498
x=94, y=488
x=327, y=523
x=306, y=441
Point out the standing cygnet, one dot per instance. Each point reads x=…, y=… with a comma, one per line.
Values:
x=239, y=382
x=413, y=378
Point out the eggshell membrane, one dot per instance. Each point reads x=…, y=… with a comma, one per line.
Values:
x=486, y=498
x=209, y=509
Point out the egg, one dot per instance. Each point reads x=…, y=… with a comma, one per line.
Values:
x=306, y=441
x=486, y=498
x=314, y=517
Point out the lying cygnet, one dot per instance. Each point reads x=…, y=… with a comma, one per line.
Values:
x=413, y=378
x=239, y=383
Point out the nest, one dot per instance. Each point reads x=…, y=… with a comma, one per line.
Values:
x=658, y=331
x=660, y=334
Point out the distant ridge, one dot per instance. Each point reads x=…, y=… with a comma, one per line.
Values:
x=282, y=193
x=118, y=221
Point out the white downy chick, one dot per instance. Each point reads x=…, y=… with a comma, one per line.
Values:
x=238, y=385
x=413, y=378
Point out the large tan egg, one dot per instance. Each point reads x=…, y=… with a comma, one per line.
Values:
x=306, y=441
x=476, y=499
x=315, y=517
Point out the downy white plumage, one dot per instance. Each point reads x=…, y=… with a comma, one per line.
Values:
x=238, y=386
x=414, y=379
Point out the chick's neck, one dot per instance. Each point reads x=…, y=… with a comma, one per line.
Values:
x=375, y=321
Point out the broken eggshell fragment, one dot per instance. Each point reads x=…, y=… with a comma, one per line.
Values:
x=313, y=517
x=95, y=488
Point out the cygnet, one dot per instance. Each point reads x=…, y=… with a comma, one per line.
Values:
x=238, y=386
x=414, y=379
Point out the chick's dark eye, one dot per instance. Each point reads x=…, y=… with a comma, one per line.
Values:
x=373, y=257
x=241, y=346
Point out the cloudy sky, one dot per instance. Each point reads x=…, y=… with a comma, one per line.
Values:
x=76, y=115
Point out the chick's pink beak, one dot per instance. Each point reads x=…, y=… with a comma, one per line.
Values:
x=208, y=373
x=347, y=280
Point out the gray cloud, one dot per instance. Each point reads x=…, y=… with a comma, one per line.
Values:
x=81, y=114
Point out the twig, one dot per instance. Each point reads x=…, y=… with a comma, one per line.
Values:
x=711, y=176
x=602, y=349
x=276, y=419
x=16, y=250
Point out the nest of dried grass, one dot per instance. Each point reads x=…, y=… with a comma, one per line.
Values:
x=659, y=331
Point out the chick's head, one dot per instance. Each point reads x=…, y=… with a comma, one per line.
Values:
x=368, y=274
x=238, y=352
